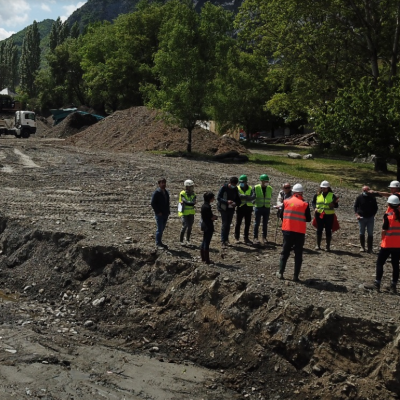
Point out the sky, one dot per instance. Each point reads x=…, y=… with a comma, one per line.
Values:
x=16, y=15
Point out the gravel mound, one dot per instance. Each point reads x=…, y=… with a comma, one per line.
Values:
x=141, y=129
x=71, y=125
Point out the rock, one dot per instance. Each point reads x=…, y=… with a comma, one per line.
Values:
x=308, y=157
x=98, y=302
x=88, y=323
x=294, y=155
x=93, y=222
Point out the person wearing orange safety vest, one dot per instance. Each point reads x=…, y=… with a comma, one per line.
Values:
x=295, y=214
x=390, y=245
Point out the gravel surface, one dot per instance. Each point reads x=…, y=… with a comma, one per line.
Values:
x=79, y=269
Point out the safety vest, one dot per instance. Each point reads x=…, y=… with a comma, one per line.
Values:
x=294, y=218
x=262, y=201
x=186, y=210
x=323, y=203
x=246, y=193
x=392, y=235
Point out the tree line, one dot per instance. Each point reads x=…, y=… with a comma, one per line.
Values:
x=331, y=64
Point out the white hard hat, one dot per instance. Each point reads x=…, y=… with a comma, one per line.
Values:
x=188, y=182
x=324, y=184
x=394, y=184
x=297, y=188
x=393, y=200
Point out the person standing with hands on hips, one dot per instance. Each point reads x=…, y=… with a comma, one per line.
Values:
x=161, y=206
x=228, y=200
x=187, y=201
x=324, y=203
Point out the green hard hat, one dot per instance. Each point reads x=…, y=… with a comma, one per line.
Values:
x=264, y=177
x=243, y=178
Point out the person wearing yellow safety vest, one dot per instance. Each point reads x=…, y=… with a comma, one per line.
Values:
x=324, y=203
x=187, y=201
x=245, y=210
x=262, y=207
x=390, y=245
x=295, y=213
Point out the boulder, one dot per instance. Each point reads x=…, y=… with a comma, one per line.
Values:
x=294, y=155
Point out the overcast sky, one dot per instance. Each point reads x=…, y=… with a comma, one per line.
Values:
x=16, y=15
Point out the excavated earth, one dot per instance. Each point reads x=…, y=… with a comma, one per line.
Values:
x=91, y=310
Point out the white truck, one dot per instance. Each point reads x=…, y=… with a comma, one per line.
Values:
x=22, y=125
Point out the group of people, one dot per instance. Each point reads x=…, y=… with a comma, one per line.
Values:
x=237, y=195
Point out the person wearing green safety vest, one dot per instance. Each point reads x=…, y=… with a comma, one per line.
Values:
x=187, y=201
x=324, y=204
x=245, y=210
x=263, y=193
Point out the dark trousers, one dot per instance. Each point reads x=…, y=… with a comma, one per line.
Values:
x=207, y=236
x=243, y=212
x=259, y=213
x=325, y=222
x=226, y=220
x=297, y=240
x=383, y=255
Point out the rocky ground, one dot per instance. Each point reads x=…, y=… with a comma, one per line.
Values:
x=92, y=310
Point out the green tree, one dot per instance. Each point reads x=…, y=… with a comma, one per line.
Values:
x=75, y=31
x=317, y=48
x=117, y=58
x=240, y=92
x=30, y=59
x=8, y=64
x=365, y=118
x=191, y=47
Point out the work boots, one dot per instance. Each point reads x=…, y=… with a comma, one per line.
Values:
x=328, y=243
x=203, y=256
x=282, y=266
x=318, y=246
x=181, y=238
x=297, y=268
x=362, y=243
x=370, y=242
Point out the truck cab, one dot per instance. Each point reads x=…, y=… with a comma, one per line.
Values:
x=25, y=123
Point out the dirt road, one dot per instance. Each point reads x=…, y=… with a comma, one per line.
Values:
x=96, y=306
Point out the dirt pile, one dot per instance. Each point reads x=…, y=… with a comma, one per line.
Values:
x=71, y=125
x=141, y=129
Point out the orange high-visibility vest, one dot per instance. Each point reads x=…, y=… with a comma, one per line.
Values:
x=392, y=235
x=294, y=218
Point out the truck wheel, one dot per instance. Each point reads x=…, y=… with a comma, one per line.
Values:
x=25, y=133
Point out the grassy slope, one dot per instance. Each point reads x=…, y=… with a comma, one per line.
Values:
x=339, y=172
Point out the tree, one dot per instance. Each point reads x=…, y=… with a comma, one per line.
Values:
x=8, y=64
x=60, y=31
x=186, y=62
x=240, y=92
x=117, y=58
x=365, y=118
x=317, y=48
x=30, y=59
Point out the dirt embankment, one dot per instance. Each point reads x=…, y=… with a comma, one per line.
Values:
x=77, y=253
x=141, y=129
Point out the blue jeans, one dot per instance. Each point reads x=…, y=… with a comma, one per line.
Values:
x=259, y=213
x=366, y=223
x=161, y=221
x=226, y=220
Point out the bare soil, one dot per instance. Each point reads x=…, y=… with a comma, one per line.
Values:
x=92, y=310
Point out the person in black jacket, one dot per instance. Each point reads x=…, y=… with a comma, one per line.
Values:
x=207, y=226
x=161, y=206
x=228, y=200
x=365, y=208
